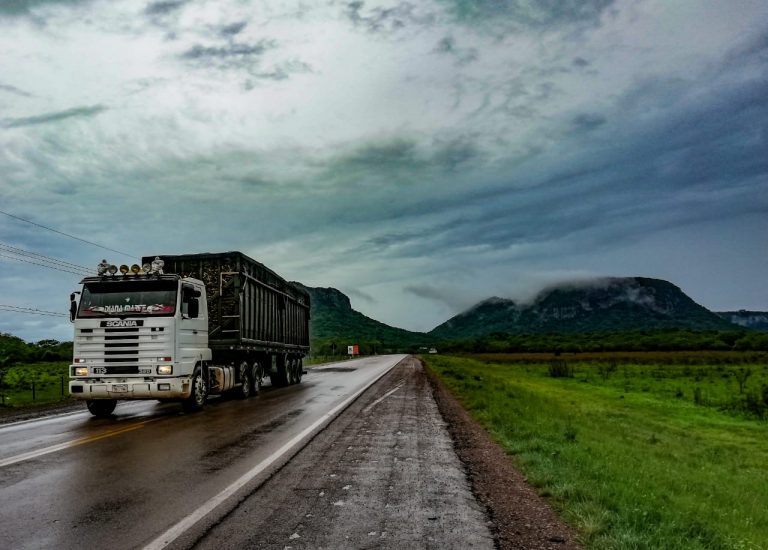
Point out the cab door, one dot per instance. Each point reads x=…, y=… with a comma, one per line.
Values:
x=193, y=327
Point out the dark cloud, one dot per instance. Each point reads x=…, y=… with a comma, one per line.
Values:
x=359, y=294
x=455, y=154
x=385, y=20
x=586, y=122
x=14, y=8
x=197, y=51
x=447, y=45
x=580, y=62
x=455, y=299
x=233, y=28
x=403, y=161
x=14, y=90
x=700, y=159
x=77, y=112
x=400, y=152
x=164, y=7
x=541, y=13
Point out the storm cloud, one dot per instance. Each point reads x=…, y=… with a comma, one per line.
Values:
x=422, y=156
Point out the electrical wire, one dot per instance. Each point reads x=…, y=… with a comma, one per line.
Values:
x=31, y=310
x=66, y=234
x=42, y=257
x=79, y=272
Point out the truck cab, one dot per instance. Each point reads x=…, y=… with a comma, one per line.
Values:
x=139, y=336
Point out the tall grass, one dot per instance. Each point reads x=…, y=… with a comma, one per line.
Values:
x=626, y=460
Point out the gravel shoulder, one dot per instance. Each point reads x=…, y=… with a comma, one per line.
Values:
x=521, y=519
x=382, y=475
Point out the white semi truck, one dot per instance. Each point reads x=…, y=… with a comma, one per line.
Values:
x=184, y=327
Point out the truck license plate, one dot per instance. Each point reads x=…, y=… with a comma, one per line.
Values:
x=118, y=388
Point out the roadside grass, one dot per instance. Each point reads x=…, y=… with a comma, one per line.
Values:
x=17, y=380
x=623, y=457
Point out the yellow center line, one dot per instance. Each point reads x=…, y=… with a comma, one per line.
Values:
x=74, y=443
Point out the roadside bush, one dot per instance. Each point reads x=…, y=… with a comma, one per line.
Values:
x=558, y=368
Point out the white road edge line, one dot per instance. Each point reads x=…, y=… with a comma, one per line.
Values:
x=383, y=397
x=186, y=523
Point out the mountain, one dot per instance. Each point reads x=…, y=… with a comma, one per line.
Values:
x=335, y=322
x=757, y=320
x=601, y=305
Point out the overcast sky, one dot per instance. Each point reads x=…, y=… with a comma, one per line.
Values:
x=420, y=156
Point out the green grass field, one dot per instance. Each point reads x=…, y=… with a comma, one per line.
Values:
x=631, y=454
x=16, y=386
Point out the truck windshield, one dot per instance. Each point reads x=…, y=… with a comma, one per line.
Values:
x=121, y=298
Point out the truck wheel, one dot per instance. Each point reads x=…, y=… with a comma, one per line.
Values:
x=101, y=408
x=299, y=370
x=280, y=378
x=197, y=397
x=291, y=372
x=243, y=391
x=257, y=373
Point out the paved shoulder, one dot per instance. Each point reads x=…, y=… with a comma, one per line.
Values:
x=384, y=474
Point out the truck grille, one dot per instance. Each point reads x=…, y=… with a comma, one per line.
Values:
x=122, y=350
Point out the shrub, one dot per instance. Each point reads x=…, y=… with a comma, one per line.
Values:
x=558, y=368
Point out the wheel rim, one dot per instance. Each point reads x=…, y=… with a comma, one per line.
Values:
x=245, y=389
x=199, y=389
x=257, y=376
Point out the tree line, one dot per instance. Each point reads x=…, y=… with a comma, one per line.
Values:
x=15, y=350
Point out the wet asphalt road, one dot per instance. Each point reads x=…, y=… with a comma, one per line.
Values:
x=74, y=481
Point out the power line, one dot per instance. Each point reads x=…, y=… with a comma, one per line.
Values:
x=80, y=273
x=66, y=234
x=48, y=259
x=31, y=310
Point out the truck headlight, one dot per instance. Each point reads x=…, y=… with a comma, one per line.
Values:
x=165, y=369
x=81, y=371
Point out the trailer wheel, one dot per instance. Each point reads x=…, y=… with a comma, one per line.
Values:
x=257, y=373
x=291, y=372
x=299, y=370
x=101, y=408
x=199, y=394
x=243, y=391
x=280, y=377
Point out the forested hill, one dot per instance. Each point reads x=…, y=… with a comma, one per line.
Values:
x=602, y=305
x=335, y=322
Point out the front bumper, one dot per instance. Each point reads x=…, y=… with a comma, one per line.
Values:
x=162, y=388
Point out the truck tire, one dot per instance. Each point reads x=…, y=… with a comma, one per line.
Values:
x=199, y=393
x=299, y=370
x=257, y=373
x=101, y=408
x=291, y=371
x=243, y=391
x=280, y=377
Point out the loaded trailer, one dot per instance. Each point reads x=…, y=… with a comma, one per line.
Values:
x=183, y=327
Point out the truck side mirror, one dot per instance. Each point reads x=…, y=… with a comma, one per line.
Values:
x=72, y=306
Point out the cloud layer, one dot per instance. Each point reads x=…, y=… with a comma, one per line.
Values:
x=418, y=155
